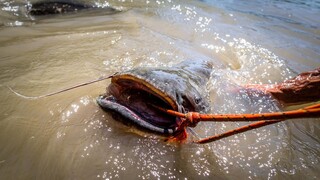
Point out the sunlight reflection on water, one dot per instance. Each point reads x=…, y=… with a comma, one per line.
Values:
x=69, y=136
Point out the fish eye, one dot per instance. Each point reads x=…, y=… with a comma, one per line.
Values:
x=197, y=100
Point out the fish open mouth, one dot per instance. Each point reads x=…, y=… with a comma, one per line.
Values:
x=135, y=99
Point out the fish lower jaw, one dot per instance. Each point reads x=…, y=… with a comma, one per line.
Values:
x=109, y=103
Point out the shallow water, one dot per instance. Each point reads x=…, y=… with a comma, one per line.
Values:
x=68, y=136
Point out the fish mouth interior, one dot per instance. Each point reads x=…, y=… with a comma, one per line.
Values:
x=140, y=97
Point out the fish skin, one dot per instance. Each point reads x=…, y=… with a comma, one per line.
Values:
x=44, y=8
x=184, y=83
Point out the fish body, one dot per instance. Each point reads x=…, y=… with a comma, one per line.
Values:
x=43, y=8
x=135, y=93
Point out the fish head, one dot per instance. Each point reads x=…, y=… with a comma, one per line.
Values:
x=137, y=93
